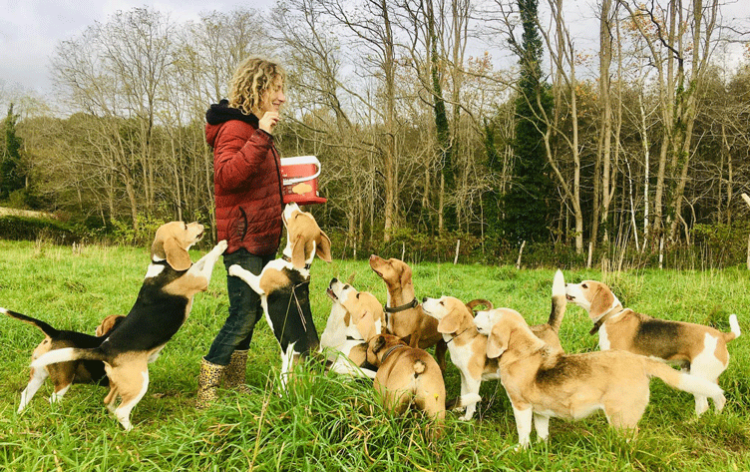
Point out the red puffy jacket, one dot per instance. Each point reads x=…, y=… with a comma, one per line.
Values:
x=247, y=181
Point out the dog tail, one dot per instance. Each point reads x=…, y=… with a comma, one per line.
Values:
x=419, y=367
x=686, y=382
x=46, y=329
x=558, y=301
x=479, y=302
x=735, y=329
x=69, y=354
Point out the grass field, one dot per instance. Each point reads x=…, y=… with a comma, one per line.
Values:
x=327, y=422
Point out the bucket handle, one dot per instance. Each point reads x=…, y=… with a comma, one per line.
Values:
x=296, y=180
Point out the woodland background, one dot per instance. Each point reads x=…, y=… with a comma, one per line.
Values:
x=631, y=155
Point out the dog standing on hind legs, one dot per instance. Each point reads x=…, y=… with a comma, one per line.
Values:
x=163, y=305
x=283, y=286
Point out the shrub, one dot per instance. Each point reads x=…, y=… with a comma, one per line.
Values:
x=22, y=228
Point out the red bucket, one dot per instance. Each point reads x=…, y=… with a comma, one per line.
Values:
x=300, y=180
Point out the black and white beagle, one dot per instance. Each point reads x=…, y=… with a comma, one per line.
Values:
x=283, y=286
x=163, y=305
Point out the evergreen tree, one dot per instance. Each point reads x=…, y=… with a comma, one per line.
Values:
x=527, y=212
x=11, y=177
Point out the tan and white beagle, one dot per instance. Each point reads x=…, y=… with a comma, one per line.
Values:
x=64, y=374
x=407, y=376
x=542, y=382
x=468, y=348
x=163, y=305
x=404, y=314
x=283, y=286
x=702, y=349
x=355, y=317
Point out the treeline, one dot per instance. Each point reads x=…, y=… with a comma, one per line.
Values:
x=625, y=155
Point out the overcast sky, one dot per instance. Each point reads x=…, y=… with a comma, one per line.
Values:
x=30, y=29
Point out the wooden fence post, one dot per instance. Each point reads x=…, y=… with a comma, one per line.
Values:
x=520, y=252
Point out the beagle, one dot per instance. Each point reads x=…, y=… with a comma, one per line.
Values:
x=163, y=305
x=468, y=348
x=65, y=374
x=701, y=349
x=406, y=376
x=283, y=286
x=542, y=382
x=355, y=317
x=404, y=314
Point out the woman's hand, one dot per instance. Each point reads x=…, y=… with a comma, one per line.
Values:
x=269, y=121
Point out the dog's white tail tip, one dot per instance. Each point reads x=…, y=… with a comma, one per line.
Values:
x=734, y=325
x=558, y=284
x=3, y=310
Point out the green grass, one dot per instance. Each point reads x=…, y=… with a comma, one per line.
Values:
x=328, y=422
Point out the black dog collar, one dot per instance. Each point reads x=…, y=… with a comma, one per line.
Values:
x=395, y=309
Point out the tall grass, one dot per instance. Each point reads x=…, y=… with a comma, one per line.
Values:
x=329, y=422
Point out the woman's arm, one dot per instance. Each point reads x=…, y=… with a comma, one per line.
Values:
x=237, y=160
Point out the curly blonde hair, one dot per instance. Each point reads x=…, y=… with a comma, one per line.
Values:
x=252, y=78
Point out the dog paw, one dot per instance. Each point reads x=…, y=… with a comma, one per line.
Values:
x=234, y=270
x=719, y=402
x=222, y=246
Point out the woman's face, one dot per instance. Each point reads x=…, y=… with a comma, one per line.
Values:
x=272, y=98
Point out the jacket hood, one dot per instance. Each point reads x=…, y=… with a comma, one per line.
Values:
x=220, y=113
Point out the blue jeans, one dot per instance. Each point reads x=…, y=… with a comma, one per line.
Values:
x=244, y=309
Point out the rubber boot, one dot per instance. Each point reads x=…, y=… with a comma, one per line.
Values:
x=208, y=384
x=234, y=375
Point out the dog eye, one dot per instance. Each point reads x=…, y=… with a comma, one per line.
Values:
x=584, y=286
x=442, y=304
x=357, y=295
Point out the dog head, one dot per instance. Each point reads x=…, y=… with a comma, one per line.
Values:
x=395, y=273
x=362, y=308
x=108, y=324
x=499, y=325
x=172, y=242
x=594, y=297
x=305, y=239
x=453, y=315
x=377, y=346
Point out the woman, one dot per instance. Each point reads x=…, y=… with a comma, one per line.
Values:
x=247, y=184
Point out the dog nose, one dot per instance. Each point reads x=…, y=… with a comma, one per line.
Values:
x=424, y=299
x=334, y=280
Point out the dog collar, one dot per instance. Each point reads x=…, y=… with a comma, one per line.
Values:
x=289, y=259
x=390, y=351
x=454, y=337
x=395, y=309
x=600, y=321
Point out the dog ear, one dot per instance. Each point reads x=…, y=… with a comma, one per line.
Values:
x=108, y=324
x=448, y=324
x=323, y=247
x=378, y=344
x=601, y=302
x=176, y=255
x=298, y=252
x=497, y=342
x=406, y=276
